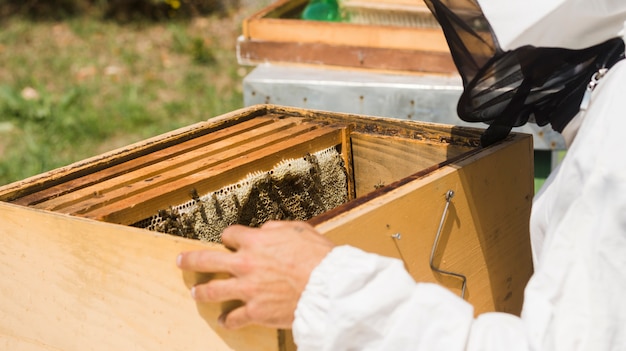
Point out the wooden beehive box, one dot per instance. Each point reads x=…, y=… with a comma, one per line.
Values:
x=77, y=276
x=276, y=34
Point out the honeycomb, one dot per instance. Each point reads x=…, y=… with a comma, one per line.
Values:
x=294, y=189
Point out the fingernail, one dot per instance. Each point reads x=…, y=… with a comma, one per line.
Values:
x=193, y=292
x=179, y=259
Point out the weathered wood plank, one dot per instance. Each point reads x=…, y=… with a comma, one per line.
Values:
x=140, y=162
x=263, y=26
x=87, y=166
x=256, y=51
x=176, y=167
x=142, y=205
x=381, y=160
x=348, y=160
x=74, y=284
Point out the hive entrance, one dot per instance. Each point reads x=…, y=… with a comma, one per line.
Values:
x=295, y=189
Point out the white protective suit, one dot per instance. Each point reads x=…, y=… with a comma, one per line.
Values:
x=576, y=299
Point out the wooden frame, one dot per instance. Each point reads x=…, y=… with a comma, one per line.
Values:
x=275, y=34
x=134, y=190
x=73, y=282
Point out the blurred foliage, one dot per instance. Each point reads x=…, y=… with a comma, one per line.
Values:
x=119, y=10
x=85, y=85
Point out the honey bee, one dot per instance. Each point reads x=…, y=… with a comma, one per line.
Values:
x=194, y=195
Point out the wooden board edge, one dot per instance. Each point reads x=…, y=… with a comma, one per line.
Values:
x=350, y=34
x=88, y=165
x=330, y=220
x=269, y=24
x=255, y=52
x=72, y=282
x=149, y=205
x=427, y=131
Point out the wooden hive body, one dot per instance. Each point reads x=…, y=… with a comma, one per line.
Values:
x=277, y=34
x=78, y=276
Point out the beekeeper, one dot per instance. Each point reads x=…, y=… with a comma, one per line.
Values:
x=548, y=61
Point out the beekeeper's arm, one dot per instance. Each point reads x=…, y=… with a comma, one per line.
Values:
x=343, y=298
x=360, y=301
x=574, y=301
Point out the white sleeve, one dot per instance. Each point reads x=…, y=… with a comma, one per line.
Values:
x=372, y=303
x=574, y=301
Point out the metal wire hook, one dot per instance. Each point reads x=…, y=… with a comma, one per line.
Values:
x=449, y=196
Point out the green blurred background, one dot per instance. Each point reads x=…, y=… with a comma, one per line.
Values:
x=82, y=77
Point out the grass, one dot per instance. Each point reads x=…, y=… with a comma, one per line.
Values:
x=73, y=89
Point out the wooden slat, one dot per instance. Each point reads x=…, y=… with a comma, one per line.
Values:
x=73, y=284
x=485, y=234
x=265, y=26
x=417, y=4
x=333, y=33
x=347, y=155
x=417, y=130
x=407, y=14
x=173, y=168
x=154, y=177
x=382, y=160
x=140, y=162
x=90, y=165
x=253, y=52
x=131, y=209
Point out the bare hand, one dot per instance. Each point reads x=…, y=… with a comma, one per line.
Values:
x=269, y=269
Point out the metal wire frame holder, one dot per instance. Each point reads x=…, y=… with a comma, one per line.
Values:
x=449, y=196
x=398, y=236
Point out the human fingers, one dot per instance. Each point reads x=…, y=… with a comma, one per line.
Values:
x=205, y=261
x=298, y=226
x=234, y=236
x=276, y=224
x=217, y=290
x=243, y=316
x=235, y=318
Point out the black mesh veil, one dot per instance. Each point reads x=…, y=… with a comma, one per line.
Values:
x=507, y=89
